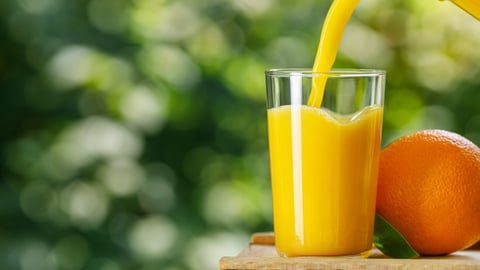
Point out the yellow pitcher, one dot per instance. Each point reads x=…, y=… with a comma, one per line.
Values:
x=470, y=6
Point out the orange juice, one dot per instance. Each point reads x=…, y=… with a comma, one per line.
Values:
x=324, y=170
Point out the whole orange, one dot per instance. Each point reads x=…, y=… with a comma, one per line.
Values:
x=429, y=190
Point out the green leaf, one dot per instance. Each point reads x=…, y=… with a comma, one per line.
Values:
x=390, y=241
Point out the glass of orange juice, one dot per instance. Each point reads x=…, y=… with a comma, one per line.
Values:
x=324, y=161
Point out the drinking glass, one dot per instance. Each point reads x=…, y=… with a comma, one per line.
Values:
x=324, y=159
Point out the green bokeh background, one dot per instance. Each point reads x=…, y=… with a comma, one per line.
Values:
x=133, y=132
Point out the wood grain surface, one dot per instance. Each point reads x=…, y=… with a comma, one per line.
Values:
x=261, y=255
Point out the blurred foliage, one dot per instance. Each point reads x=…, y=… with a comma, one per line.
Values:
x=133, y=132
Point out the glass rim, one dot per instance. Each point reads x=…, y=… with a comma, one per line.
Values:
x=336, y=72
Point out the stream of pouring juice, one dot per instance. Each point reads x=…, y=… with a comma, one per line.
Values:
x=337, y=18
x=325, y=204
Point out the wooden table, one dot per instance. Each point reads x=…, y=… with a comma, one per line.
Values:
x=261, y=255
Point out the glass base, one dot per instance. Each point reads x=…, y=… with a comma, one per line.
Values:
x=363, y=255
